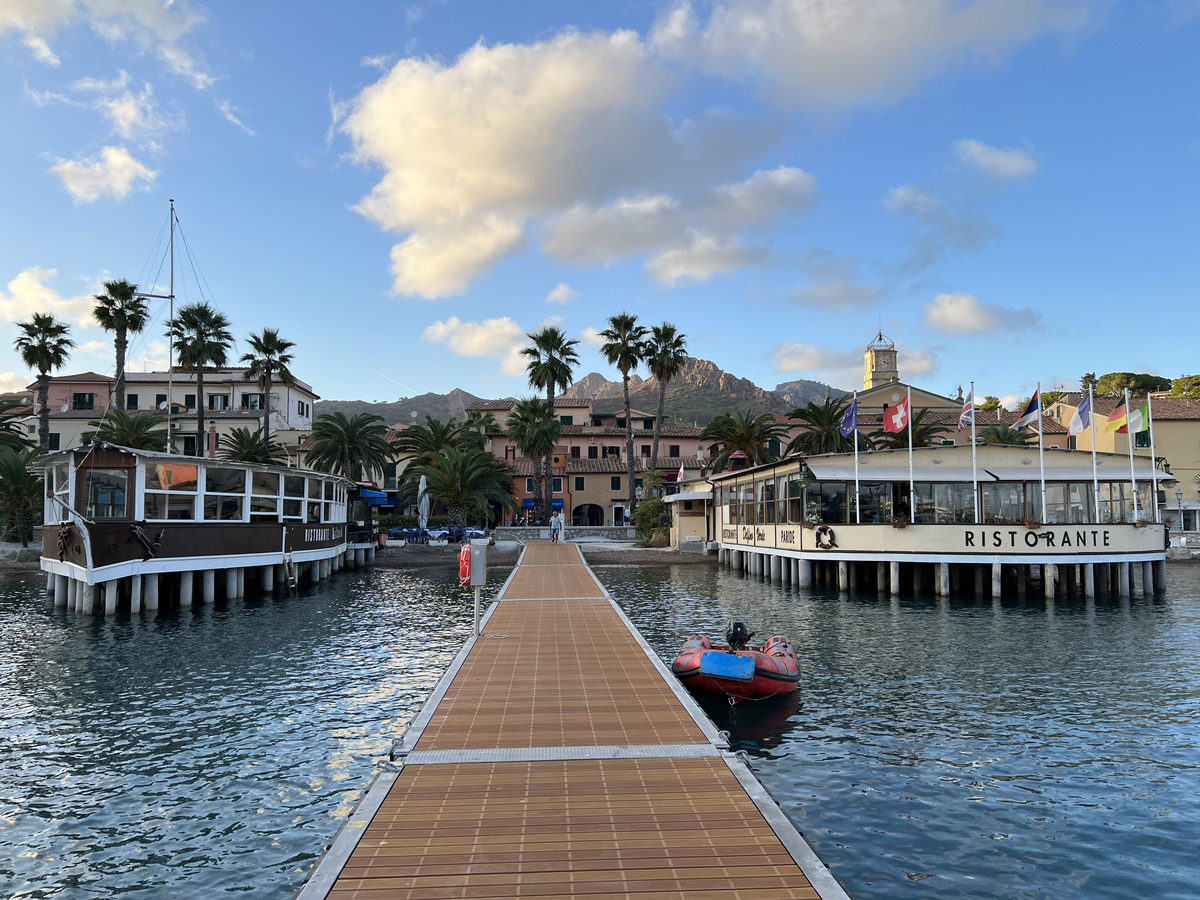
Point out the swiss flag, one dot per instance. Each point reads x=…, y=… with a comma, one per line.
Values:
x=895, y=418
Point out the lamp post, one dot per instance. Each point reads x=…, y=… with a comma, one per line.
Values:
x=1179, y=501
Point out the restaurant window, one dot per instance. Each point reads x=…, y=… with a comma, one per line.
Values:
x=875, y=502
x=767, y=502
x=293, y=496
x=578, y=483
x=795, y=499
x=224, y=494
x=170, y=491
x=264, y=496
x=131, y=401
x=828, y=500
x=1003, y=503
x=105, y=492
x=83, y=401
x=944, y=504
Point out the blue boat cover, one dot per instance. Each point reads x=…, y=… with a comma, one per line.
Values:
x=719, y=664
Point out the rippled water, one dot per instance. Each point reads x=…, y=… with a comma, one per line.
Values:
x=207, y=751
x=968, y=750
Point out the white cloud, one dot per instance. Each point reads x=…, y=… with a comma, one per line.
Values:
x=13, y=382
x=995, y=161
x=562, y=293
x=938, y=228
x=114, y=172
x=792, y=357
x=150, y=358
x=819, y=53
x=592, y=338
x=230, y=113
x=704, y=256
x=501, y=339
x=958, y=314
x=915, y=362
x=30, y=292
x=838, y=295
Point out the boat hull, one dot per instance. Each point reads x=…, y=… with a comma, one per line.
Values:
x=750, y=674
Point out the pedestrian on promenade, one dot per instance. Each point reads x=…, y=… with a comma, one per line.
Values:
x=556, y=527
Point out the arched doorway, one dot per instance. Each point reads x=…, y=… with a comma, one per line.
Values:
x=587, y=514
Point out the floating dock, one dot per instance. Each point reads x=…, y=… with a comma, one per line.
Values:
x=559, y=757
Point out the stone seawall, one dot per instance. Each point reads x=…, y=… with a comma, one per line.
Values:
x=573, y=533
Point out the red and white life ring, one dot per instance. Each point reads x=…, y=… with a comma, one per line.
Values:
x=464, y=565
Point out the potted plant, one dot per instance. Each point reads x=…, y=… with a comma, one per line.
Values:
x=899, y=523
x=1033, y=524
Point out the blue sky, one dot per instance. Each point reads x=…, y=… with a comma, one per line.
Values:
x=1008, y=187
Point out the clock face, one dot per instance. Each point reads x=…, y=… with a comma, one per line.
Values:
x=885, y=363
x=895, y=397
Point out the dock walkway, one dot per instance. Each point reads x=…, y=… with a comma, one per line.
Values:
x=558, y=757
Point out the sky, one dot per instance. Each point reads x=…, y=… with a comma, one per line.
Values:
x=1007, y=188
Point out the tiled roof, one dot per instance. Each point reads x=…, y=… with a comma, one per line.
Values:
x=613, y=466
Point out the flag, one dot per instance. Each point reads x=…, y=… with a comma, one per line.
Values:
x=1139, y=420
x=680, y=476
x=849, y=420
x=1081, y=419
x=1118, y=420
x=967, y=416
x=895, y=419
x=1033, y=412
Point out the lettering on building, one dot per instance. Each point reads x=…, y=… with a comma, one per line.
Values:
x=787, y=536
x=1051, y=538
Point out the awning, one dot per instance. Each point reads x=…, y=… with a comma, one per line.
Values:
x=1078, y=473
x=556, y=503
x=527, y=503
x=688, y=495
x=825, y=472
x=374, y=498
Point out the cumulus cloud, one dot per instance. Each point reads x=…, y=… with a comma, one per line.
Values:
x=30, y=291
x=997, y=162
x=592, y=338
x=500, y=339
x=958, y=314
x=115, y=172
x=938, y=228
x=13, y=382
x=704, y=256
x=562, y=293
x=821, y=54
x=838, y=295
x=792, y=357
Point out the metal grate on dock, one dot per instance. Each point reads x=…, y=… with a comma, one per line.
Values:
x=560, y=758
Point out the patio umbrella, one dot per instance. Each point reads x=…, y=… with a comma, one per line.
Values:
x=422, y=504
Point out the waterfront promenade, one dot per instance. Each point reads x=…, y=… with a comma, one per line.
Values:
x=559, y=758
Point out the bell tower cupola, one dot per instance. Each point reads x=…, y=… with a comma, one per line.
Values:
x=879, y=362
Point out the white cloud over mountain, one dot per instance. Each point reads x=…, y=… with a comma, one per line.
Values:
x=959, y=314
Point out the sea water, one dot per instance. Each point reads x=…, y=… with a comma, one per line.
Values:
x=941, y=749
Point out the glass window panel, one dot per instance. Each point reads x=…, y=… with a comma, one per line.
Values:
x=314, y=512
x=875, y=501
x=293, y=486
x=314, y=488
x=1056, y=503
x=171, y=477
x=170, y=506
x=328, y=490
x=224, y=509
x=293, y=509
x=829, y=501
x=795, y=499
x=265, y=483
x=1003, y=503
x=62, y=478
x=264, y=504
x=219, y=480
x=1082, y=502
x=104, y=493
x=768, y=501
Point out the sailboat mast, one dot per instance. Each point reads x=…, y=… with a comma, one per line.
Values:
x=171, y=332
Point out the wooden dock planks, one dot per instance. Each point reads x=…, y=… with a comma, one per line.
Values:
x=562, y=761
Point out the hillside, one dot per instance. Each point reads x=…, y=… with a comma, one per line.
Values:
x=441, y=406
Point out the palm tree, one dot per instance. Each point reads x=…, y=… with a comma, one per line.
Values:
x=534, y=428
x=139, y=431
x=624, y=347
x=244, y=445
x=752, y=434
x=467, y=481
x=1005, y=434
x=12, y=434
x=478, y=427
x=202, y=338
x=823, y=431
x=44, y=345
x=551, y=362
x=120, y=310
x=267, y=363
x=666, y=352
x=20, y=493
x=923, y=434
x=424, y=441
x=349, y=447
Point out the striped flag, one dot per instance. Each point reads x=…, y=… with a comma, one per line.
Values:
x=967, y=416
x=1081, y=419
x=1033, y=412
x=1118, y=420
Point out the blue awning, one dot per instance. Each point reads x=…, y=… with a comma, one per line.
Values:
x=527, y=503
x=374, y=498
x=556, y=504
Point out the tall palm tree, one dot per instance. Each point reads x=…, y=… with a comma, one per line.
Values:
x=349, y=447
x=20, y=494
x=923, y=433
x=823, y=428
x=244, y=445
x=138, y=431
x=1003, y=433
x=467, y=481
x=535, y=429
x=666, y=353
x=44, y=344
x=202, y=338
x=267, y=362
x=745, y=431
x=625, y=347
x=424, y=441
x=552, y=359
x=478, y=427
x=12, y=434
x=120, y=310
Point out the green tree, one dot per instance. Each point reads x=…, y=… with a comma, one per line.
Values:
x=244, y=445
x=202, y=338
x=666, y=354
x=823, y=428
x=138, y=431
x=12, y=432
x=45, y=345
x=535, y=429
x=990, y=403
x=20, y=493
x=1088, y=379
x=478, y=428
x=266, y=363
x=625, y=347
x=1004, y=434
x=425, y=441
x=923, y=433
x=466, y=481
x=349, y=447
x=1051, y=397
x=1188, y=386
x=648, y=516
x=1114, y=384
x=752, y=434
x=120, y=310
x=552, y=359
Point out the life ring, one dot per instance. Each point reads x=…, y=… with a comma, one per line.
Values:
x=824, y=538
x=464, y=565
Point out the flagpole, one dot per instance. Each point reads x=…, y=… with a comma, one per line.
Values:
x=1095, y=475
x=1132, y=476
x=912, y=494
x=1153, y=459
x=974, y=466
x=857, y=500
x=1041, y=449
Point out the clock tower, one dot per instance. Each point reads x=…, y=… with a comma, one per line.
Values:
x=879, y=362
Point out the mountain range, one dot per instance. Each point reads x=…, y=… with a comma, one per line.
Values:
x=698, y=393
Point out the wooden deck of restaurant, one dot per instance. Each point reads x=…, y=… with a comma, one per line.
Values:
x=558, y=757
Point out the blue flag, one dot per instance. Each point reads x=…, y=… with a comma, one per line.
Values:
x=1081, y=419
x=967, y=416
x=849, y=420
x=1033, y=412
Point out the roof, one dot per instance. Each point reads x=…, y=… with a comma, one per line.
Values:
x=45, y=460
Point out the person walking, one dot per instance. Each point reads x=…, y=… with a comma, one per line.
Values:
x=556, y=527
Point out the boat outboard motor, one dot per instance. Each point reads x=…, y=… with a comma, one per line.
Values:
x=737, y=635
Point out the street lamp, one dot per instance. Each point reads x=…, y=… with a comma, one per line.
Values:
x=1179, y=501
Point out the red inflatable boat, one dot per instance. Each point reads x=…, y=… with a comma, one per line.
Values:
x=739, y=670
